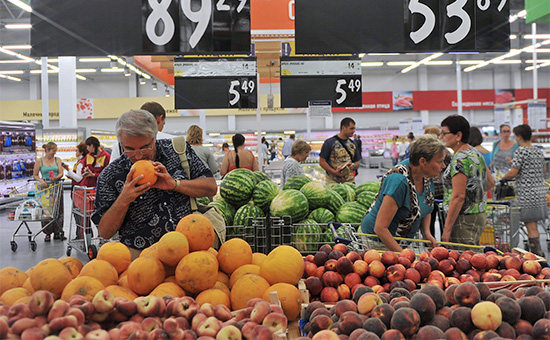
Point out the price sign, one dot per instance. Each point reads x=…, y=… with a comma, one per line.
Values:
x=214, y=83
x=337, y=79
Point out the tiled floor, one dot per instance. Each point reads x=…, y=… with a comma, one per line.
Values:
x=25, y=258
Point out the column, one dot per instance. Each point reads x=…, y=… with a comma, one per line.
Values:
x=67, y=92
x=45, y=93
x=423, y=86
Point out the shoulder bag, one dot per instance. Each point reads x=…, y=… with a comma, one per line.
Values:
x=180, y=146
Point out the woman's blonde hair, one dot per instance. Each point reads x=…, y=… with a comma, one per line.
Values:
x=299, y=147
x=194, y=135
x=49, y=146
x=433, y=130
x=426, y=146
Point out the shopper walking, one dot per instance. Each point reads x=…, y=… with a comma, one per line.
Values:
x=475, y=140
x=405, y=200
x=160, y=116
x=48, y=170
x=264, y=150
x=225, y=148
x=95, y=161
x=291, y=165
x=503, y=150
x=359, y=148
x=273, y=148
x=143, y=213
x=527, y=169
x=194, y=137
x=239, y=157
x=76, y=178
x=287, y=146
x=402, y=149
x=394, y=152
x=339, y=156
x=466, y=181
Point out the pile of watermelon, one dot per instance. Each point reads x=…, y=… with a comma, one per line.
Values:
x=246, y=195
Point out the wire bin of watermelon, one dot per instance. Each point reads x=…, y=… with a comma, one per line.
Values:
x=280, y=231
x=254, y=230
x=308, y=236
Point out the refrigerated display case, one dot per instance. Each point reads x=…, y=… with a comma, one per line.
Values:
x=106, y=138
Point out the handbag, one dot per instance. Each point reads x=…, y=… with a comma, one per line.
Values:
x=213, y=215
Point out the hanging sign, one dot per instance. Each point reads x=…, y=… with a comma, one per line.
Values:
x=319, y=108
x=210, y=83
x=337, y=79
x=536, y=114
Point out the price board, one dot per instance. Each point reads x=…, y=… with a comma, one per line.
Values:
x=337, y=79
x=215, y=83
x=133, y=27
x=323, y=26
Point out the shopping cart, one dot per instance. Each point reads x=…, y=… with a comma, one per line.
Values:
x=80, y=232
x=41, y=205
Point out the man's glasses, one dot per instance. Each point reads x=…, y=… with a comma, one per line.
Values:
x=140, y=152
x=505, y=131
x=445, y=133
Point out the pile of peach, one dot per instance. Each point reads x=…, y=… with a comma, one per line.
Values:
x=463, y=311
x=334, y=273
x=147, y=317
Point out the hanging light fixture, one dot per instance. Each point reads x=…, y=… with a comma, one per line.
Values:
x=155, y=87
x=127, y=72
x=166, y=91
x=113, y=63
x=141, y=80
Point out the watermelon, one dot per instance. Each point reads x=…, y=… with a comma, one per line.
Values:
x=203, y=200
x=317, y=194
x=322, y=215
x=290, y=203
x=372, y=186
x=335, y=202
x=351, y=185
x=237, y=187
x=226, y=209
x=307, y=236
x=344, y=191
x=351, y=212
x=248, y=210
x=296, y=182
x=328, y=236
x=260, y=176
x=264, y=193
x=350, y=188
x=366, y=198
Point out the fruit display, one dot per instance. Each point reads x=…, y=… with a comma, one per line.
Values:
x=105, y=316
x=462, y=311
x=334, y=273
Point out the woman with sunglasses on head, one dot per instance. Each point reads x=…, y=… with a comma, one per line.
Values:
x=94, y=162
x=466, y=181
x=527, y=168
x=503, y=150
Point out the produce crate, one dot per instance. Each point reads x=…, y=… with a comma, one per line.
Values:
x=280, y=231
x=310, y=242
x=254, y=232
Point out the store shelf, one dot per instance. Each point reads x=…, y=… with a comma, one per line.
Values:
x=17, y=156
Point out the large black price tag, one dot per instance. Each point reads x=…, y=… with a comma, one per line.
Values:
x=492, y=25
x=214, y=83
x=457, y=25
x=307, y=78
x=422, y=25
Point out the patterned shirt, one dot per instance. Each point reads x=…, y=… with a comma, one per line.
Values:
x=156, y=211
x=291, y=168
x=334, y=152
x=471, y=163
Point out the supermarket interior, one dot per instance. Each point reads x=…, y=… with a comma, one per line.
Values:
x=353, y=169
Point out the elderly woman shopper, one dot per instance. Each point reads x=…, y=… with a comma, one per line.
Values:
x=527, y=169
x=466, y=181
x=405, y=200
x=503, y=150
x=291, y=166
x=194, y=137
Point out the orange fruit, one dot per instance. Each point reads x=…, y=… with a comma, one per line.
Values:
x=144, y=167
x=145, y=274
x=199, y=231
x=172, y=247
x=117, y=254
x=246, y=288
x=243, y=270
x=101, y=270
x=233, y=254
x=197, y=271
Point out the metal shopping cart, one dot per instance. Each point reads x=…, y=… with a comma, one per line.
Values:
x=41, y=205
x=80, y=232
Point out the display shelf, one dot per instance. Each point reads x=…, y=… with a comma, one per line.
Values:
x=106, y=138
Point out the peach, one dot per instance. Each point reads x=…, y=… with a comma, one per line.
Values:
x=479, y=261
x=433, y=262
x=413, y=275
x=371, y=255
x=492, y=261
x=352, y=279
x=275, y=322
x=510, y=309
x=541, y=329
x=486, y=315
x=408, y=254
x=41, y=302
x=406, y=320
x=403, y=261
x=62, y=322
x=423, y=268
x=229, y=333
x=454, y=254
x=309, y=268
x=377, y=269
x=103, y=301
x=330, y=265
x=341, y=248
x=523, y=327
x=58, y=309
x=31, y=333
x=394, y=273
x=320, y=258
x=69, y=333
x=209, y=327
x=360, y=267
x=531, y=267
x=424, y=305
x=332, y=279
x=532, y=308
x=371, y=281
x=441, y=322
x=446, y=267
x=353, y=256
x=20, y=325
x=314, y=285
x=335, y=254
x=454, y=333
x=440, y=253
x=207, y=309
x=437, y=275
x=326, y=335
x=375, y=326
x=384, y=312
x=462, y=318
x=467, y=294
x=150, y=305
x=320, y=271
x=260, y=311
x=389, y=258
x=367, y=302
x=320, y=323
x=462, y=266
x=349, y=321
x=151, y=323
x=185, y=307
x=329, y=294
x=344, y=292
x=429, y=332
x=326, y=248
x=437, y=294
x=512, y=262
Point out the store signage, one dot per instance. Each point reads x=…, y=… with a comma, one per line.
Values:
x=337, y=79
x=536, y=115
x=210, y=83
x=319, y=108
x=130, y=27
x=324, y=26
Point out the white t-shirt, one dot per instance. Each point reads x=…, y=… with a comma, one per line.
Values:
x=402, y=148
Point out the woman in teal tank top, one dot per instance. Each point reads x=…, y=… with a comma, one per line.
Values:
x=49, y=170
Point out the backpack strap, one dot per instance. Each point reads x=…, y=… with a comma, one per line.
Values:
x=180, y=146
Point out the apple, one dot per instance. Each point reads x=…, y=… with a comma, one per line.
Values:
x=103, y=301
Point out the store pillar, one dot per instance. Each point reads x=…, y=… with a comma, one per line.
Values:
x=45, y=93
x=67, y=92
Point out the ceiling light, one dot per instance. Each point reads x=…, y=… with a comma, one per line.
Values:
x=214, y=134
x=530, y=61
x=21, y=5
x=12, y=72
x=18, y=26
x=382, y=54
x=537, y=36
x=155, y=87
x=146, y=76
x=40, y=71
x=127, y=72
x=289, y=132
x=166, y=91
x=86, y=70
x=94, y=60
x=421, y=62
x=15, y=61
x=399, y=63
x=439, y=62
x=361, y=55
x=372, y=64
x=508, y=61
x=469, y=62
x=522, y=13
x=513, y=36
x=81, y=77
x=141, y=80
x=112, y=70
x=113, y=64
x=53, y=60
x=17, y=47
x=9, y=77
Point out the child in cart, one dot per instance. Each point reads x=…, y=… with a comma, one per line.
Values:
x=405, y=200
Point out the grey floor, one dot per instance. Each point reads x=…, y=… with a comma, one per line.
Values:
x=25, y=258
